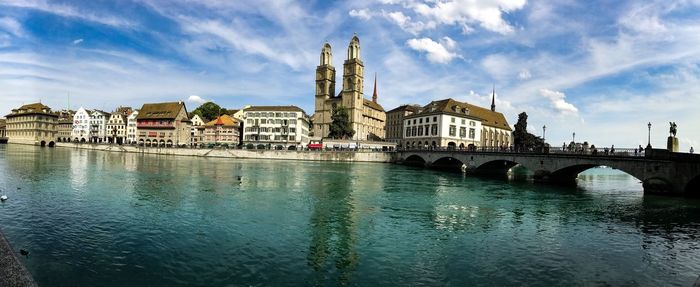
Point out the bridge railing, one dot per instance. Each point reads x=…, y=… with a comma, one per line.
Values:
x=616, y=152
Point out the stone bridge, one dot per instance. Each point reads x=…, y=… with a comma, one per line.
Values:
x=660, y=171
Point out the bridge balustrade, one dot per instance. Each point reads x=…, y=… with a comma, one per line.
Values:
x=616, y=152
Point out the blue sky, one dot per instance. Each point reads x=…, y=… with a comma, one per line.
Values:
x=601, y=69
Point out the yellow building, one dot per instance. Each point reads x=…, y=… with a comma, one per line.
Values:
x=367, y=117
x=32, y=124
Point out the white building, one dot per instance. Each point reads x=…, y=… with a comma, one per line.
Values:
x=81, y=126
x=275, y=127
x=131, y=129
x=452, y=124
x=116, y=128
x=98, y=126
x=197, y=132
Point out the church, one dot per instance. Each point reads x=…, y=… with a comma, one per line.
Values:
x=367, y=117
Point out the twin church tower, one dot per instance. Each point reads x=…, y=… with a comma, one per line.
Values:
x=367, y=117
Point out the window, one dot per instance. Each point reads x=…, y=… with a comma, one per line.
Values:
x=414, y=121
x=472, y=133
x=452, y=119
x=463, y=121
x=453, y=130
x=420, y=121
x=420, y=131
x=408, y=132
x=413, y=131
x=472, y=123
x=434, y=129
x=462, y=132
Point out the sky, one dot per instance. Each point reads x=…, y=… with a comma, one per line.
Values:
x=599, y=69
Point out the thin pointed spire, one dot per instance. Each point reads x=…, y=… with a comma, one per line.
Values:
x=374, y=95
x=493, y=99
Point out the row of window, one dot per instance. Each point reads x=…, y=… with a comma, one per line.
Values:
x=270, y=130
x=31, y=118
x=268, y=138
x=270, y=114
x=271, y=122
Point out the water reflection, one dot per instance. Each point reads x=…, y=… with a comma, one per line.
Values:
x=204, y=221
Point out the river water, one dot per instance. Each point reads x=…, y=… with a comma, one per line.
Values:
x=91, y=218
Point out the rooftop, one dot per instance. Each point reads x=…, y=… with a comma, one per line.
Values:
x=453, y=107
x=159, y=111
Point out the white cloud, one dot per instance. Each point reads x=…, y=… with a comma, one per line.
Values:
x=488, y=14
x=68, y=11
x=404, y=21
x=436, y=52
x=363, y=14
x=196, y=99
x=12, y=26
x=558, y=102
x=524, y=74
x=77, y=41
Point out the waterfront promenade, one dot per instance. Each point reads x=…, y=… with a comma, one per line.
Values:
x=339, y=156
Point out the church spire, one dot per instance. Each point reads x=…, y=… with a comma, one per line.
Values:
x=374, y=95
x=493, y=99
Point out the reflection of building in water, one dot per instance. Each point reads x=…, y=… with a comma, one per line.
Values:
x=338, y=209
x=78, y=168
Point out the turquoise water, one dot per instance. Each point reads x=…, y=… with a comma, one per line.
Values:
x=109, y=219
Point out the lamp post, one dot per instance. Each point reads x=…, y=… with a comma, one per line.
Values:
x=574, y=137
x=649, y=135
x=544, y=129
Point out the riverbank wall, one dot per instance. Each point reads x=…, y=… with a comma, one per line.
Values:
x=337, y=156
x=14, y=272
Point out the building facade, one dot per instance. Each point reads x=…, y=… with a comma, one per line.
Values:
x=98, y=126
x=367, y=117
x=64, y=129
x=395, y=122
x=197, y=130
x=32, y=124
x=131, y=130
x=163, y=125
x=453, y=124
x=275, y=127
x=116, y=128
x=222, y=130
x=3, y=130
x=81, y=126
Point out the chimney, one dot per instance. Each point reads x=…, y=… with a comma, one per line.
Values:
x=374, y=95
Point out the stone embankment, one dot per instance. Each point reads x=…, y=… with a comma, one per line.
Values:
x=339, y=156
x=13, y=271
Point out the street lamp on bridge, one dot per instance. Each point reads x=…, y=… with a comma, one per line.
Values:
x=573, y=137
x=649, y=135
x=544, y=129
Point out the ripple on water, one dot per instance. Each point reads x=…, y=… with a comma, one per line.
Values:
x=114, y=219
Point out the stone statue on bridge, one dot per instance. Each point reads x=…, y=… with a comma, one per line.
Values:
x=673, y=129
x=672, y=142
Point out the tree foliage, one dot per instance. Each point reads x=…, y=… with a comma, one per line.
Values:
x=208, y=111
x=522, y=139
x=340, y=126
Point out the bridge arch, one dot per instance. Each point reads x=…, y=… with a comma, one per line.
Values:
x=494, y=168
x=692, y=188
x=448, y=163
x=414, y=160
x=568, y=175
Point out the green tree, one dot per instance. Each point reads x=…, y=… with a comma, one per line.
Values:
x=522, y=139
x=208, y=110
x=340, y=126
